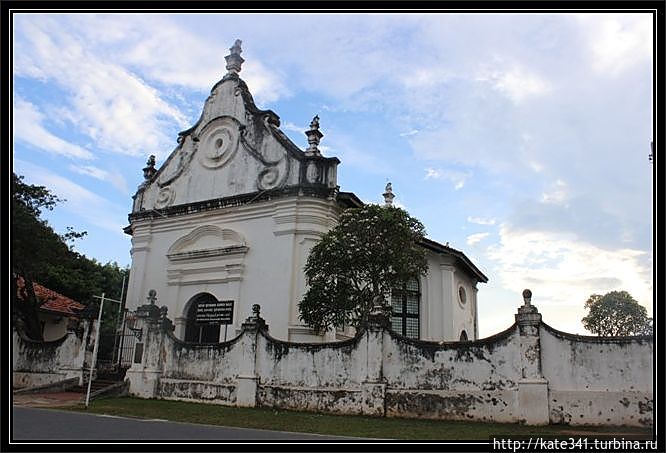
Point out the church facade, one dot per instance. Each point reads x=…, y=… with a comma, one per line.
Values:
x=232, y=214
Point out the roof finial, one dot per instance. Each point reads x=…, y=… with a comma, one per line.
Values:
x=149, y=170
x=314, y=136
x=388, y=195
x=234, y=60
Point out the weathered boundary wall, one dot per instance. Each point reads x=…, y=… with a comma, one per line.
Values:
x=37, y=363
x=530, y=373
x=607, y=380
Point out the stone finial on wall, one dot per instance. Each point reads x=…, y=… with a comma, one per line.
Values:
x=167, y=324
x=234, y=60
x=528, y=317
x=255, y=321
x=380, y=313
x=150, y=311
x=388, y=195
x=149, y=170
x=527, y=306
x=314, y=137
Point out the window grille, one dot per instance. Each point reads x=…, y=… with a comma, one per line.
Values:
x=405, y=305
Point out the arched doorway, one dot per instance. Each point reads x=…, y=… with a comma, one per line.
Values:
x=463, y=336
x=200, y=333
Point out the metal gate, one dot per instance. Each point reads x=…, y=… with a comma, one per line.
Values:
x=116, y=351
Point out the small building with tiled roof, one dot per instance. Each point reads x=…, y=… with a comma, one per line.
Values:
x=56, y=311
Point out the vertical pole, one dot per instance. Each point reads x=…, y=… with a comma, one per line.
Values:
x=94, y=358
x=120, y=310
x=225, y=332
x=121, y=351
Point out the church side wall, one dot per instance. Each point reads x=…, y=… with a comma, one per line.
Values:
x=529, y=373
x=463, y=312
x=459, y=381
x=433, y=301
x=194, y=371
x=443, y=316
x=316, y=377
x=606, y=380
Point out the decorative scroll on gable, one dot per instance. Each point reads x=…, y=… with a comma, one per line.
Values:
x=234, y=150
x=207, y=241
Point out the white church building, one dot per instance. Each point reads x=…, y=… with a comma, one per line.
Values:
x=232, y=214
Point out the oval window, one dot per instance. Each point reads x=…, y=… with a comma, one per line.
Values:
x=462, y=295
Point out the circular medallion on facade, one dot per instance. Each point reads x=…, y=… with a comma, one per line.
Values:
x=165, y=197
x=312, y=173
x=218, y=142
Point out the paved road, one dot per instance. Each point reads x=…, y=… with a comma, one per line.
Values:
x=30, y=423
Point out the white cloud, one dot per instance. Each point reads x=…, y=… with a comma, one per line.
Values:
x=114, y=177
x=266, y=86
x=536, y=166
x=457, y=178
x=517, y=83
x=112, y=105
x=286, y=125
x=28, y=128
x=558, y=193
x=410, y=133
x=476, y=238
x=563, y=271
x=618, y=42
x=481, y=220
x=345, y=147
x=80, y=202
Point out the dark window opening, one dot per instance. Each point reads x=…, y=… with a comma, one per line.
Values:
x=200, y=333
x=405, y=304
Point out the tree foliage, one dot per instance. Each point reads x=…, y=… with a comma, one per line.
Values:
x=39, y=254
x=616, y=314
x=372, y=250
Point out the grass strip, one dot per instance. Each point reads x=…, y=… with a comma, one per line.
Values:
x=339, y=425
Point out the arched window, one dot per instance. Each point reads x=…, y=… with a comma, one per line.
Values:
x=463, y=336
x=405, y=304
x=200, y=333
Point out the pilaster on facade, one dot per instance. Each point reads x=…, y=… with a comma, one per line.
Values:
x=448, y=293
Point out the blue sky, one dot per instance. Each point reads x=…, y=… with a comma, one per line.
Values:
x=520, y=139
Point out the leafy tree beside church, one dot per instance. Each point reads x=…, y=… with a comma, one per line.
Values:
x=39, y=254
x=372, y=250
x=616, y=314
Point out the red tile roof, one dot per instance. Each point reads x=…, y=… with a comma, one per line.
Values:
x=52, y=301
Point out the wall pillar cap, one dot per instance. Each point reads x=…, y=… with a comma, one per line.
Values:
x=255, y=321
x=528, y=313
x=380, y=313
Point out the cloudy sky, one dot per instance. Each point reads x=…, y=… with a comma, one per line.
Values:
x=521, y=140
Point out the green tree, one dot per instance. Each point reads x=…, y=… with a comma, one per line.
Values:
x=34, y=243
x=616, y=314
x=372, y=250
x=41, y=255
